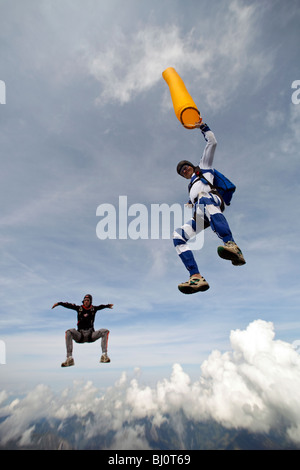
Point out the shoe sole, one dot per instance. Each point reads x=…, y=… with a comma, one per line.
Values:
x=238, y=263
x=229, y=255
x=103, y=361
x=193, y=290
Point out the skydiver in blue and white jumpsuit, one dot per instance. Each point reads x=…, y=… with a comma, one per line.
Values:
x=202, y=196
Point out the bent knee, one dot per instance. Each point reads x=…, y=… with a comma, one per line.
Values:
x=68, y=333
x=175, y=234
x=178, y=234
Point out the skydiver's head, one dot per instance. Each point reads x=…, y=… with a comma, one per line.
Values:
x=87, y=301
x=185, y=169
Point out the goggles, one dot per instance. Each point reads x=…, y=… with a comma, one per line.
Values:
x=184, y=169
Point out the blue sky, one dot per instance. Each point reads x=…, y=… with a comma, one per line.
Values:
x=88, y=117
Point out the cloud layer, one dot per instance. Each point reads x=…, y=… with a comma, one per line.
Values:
x=254, y=387
x=132, y=64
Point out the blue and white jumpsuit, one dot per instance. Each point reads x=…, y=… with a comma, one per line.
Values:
x=207, y=208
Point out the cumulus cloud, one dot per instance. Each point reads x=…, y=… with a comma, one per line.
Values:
x=254, y=386
x=132, y=64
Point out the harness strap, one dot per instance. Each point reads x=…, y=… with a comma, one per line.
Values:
x=214, y=190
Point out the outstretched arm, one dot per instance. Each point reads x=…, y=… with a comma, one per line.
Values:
x=66, y=305
x=100, y=307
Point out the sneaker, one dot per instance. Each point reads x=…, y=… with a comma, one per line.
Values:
x=104, y=358
x=68, y=362
x=193, y=285
x=232, y=252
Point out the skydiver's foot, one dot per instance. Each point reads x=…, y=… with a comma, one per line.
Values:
x=104, y=358
x=193, y=285
x=68, y=362
x=232, y=252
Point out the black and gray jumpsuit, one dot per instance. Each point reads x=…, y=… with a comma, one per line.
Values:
x=85, y=332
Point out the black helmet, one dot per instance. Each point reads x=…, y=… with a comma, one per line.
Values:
x=182, y=163
x=88, y=296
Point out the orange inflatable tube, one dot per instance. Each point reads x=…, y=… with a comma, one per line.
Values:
x=184, y=106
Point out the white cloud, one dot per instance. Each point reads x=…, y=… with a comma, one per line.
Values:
x=254, y=386
x=129, y=438
x=131, y=65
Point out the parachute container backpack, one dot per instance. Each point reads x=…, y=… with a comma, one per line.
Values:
x=185, y=108
x=224, y=186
